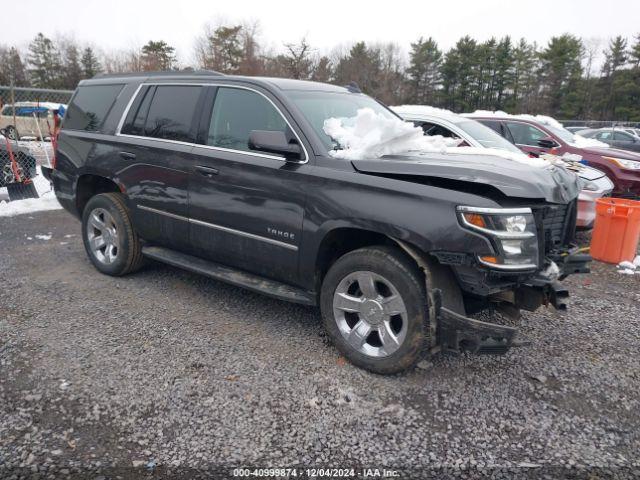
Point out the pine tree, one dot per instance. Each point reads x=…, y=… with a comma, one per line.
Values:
x=561, y=70
x=71, y=67
x=424, y=71
x=44, y=63
x=158, y=56
x=361, y=65
x=322, y=70
x=90, y=64
x=615, y=58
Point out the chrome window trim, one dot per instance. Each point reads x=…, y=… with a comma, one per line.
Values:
x=221, y=149
x=221, y=228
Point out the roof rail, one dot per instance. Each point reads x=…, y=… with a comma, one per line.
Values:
x=166, y=73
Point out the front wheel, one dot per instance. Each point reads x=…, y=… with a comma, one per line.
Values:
x=108, y=235
x=374, y=309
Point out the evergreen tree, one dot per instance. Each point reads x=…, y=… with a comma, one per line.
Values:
x=361, y=65
x=90, y=64
x=71, y=67
x=44, y=63
x=12, y=69
x=322, y=70
x=560, y=70
x=157, y=56
x=223, y=51
x=424, y=71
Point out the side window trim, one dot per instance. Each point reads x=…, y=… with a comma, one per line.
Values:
x=250, y=153
x=201, y=145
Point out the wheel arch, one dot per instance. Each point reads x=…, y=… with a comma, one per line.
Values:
x=88, y=185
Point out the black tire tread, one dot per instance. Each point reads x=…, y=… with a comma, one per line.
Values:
x=135, y=259
x=410, y=271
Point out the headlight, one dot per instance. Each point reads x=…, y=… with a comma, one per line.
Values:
x=512, y=231
x=591, y=186
x=623, y=163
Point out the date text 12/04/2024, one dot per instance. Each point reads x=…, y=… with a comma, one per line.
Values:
x=316, y=472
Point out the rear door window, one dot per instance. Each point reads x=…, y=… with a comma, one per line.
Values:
x=236, y=112
x=90, y=106
x=172, y=112
x=625, y=137
x=525, y=134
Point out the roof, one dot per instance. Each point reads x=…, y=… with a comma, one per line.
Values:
x=281, y=83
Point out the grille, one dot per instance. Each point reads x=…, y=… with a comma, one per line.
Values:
x=558, y=225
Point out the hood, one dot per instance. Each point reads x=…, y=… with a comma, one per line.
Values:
x=553, y=183
x=611, y=152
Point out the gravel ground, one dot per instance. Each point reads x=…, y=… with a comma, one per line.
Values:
x=166, y=374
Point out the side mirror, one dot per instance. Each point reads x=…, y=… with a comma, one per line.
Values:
x=547, y=142
x=271, y=141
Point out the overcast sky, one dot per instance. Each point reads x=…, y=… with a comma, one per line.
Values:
x=325, y=23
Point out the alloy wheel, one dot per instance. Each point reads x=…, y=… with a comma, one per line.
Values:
x=102, y=235
x=370, y=313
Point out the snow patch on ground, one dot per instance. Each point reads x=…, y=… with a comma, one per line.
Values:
x=47, y=200
x=44, y=237
x=630, y=268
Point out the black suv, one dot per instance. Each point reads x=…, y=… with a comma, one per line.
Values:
x=234, y=178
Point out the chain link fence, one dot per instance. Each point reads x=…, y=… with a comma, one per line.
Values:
x=598, y=123
x=9, y=95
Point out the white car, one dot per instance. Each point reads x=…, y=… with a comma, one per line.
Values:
x=436, y=121
x=29, y=119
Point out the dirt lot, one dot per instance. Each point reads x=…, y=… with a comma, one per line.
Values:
x=166, y=374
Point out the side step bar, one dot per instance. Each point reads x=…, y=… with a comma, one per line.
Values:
x=238, y=278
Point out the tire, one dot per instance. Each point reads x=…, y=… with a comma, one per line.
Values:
x=376, y=335
x=21, y=191
x=119, y=251
x=12, y=133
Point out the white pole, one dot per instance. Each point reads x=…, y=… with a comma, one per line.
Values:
x=42, y=139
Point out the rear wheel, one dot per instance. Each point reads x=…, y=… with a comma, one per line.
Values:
x=374, y=308
x=109, y=238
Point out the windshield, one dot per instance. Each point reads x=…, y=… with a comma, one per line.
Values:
x=320, y=106
x=487, y=137
x=563, y=134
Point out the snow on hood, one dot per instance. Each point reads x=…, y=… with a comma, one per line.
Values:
x=582, y=142
x=543, y=119
x=578, y=140
x=423, y=110
x=374, y=135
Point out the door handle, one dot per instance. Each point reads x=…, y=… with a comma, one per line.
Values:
x=128, y=155
x=206, y=171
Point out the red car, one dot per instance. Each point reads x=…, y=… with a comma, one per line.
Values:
x=538, y=135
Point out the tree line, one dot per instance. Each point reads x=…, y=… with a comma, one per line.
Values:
x=560, y=78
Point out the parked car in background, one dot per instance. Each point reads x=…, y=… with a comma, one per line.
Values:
x=615, y=137
x=435, y=121
x=29, y=119
x=539, y=135
x=574, y=129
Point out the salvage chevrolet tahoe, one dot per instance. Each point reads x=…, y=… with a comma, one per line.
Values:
x=235, y=178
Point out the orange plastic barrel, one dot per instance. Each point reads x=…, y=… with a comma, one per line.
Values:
x=616, y=231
